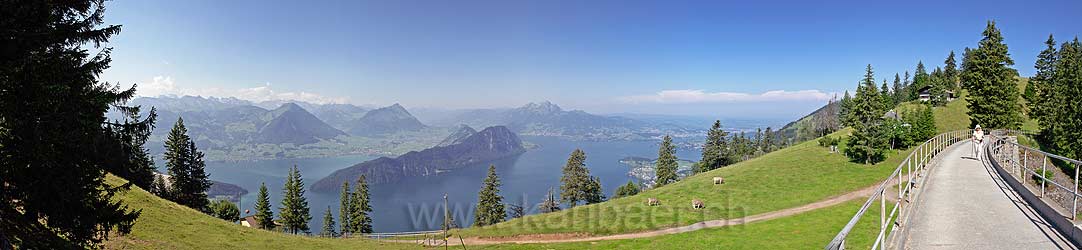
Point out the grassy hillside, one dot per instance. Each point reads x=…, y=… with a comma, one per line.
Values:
x=787, y=178
x=951, y=117
x=167, y=225
x=803, y=231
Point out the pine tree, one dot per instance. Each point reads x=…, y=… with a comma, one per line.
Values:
x=575, y=179
x=186, y=166
x=490, y=209
x=714, y=149
x=898, y=91
x=263, y=214
x=594, y=193
x=993, y=93
x=1067, y=83
x=628, y=189
x=294, y=214
x=550, y=204
x=1045, y=100
x=345, y=208
x=868, y=141
x=360, y=216
x=950, y=72
x=56, y=144
x=907, y=95
x=886, y=96
x=159, y=187
x=666, y=163
x=920, y=80
x=328, y=224
x=845, y=114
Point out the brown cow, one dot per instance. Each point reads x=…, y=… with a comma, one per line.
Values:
x=697, y=204
x=718, y=180
x=652, y=202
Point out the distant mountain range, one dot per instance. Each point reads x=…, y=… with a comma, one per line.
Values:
x=548, y=119
x=490, y=144
x=292, y=124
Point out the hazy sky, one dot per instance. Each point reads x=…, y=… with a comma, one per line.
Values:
x=716, y=58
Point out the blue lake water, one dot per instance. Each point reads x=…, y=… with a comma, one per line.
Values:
x=416, y=203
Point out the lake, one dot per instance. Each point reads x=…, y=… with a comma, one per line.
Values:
x=416, y=203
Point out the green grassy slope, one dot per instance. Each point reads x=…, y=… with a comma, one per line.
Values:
x=787, y=178
x=167, y=225
x=811, y=230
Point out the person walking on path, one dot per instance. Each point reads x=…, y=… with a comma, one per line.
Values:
x=978, y=138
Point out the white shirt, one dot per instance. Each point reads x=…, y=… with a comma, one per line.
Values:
x=978, y=135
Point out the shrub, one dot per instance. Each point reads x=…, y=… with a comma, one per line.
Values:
x=225, y=210
x=1037, y=173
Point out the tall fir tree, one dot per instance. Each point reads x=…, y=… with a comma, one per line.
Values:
x=490, y=209
x=575, y=178
x=898, y=91
x=1067, y=82
x=328, y=224
x=186, y=166
x=846, y=110
x=594, y=193
x=993, y=93
x=56, y=144
x=713, y=156
x=361, y=216
x=294, y=213
x=886, y=96
x=666, y=163
x=950, y=72
x=868, y=141
x=263, y=214
x=344, y=209
x=1045, y=99
x=920, y=80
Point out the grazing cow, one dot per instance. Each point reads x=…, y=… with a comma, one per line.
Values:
x=652, y=202
x=697, y=204
x=718, y=180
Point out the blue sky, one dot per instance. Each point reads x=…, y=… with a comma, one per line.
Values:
x=745, y=59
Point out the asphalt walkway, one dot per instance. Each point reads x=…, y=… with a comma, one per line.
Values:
x=966, y=205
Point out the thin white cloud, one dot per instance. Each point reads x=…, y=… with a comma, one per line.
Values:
x=165, y=85
x=700, y=96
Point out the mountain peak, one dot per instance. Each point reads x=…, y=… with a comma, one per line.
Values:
x=544, y=107
x=290, y=106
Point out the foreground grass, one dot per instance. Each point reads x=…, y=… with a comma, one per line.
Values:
x=811, y=230
x=167, y=225
x=791, y=177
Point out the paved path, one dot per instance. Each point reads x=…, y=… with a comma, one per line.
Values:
x=966, y=205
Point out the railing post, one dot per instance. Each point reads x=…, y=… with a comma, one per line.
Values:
x=1043, y=181
x=1025, y=162
x=1074, y=206
x=882, y=216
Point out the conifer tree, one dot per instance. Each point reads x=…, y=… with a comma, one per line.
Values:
x=886, y=96
x=868, y=141
x=594, y=193
x=490, y=209
x=950, y=72
x=328, y=224
x=1067, y=83
x=993, y=93
x=186, y=166
x=575, y=179
x=294, y=213
x=263, y=214
x=846, y=110
x=360, y=218
x=628, y=189
x=159, y=187
x=550, y=204
x=345, y=208
x=56, y=144
x=897, y=94
x=1044, y=101
x=666, y=163
x=714, y=149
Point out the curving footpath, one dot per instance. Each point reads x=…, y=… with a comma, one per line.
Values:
x=966, y=205
x=564, y=238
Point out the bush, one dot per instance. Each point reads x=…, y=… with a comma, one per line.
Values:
x=628, y=189
x=827, y=141
x=1037, y=173
x=225, y=210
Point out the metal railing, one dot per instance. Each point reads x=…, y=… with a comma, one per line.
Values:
x=1026, y=161
x=915, y=165
x=401, y=234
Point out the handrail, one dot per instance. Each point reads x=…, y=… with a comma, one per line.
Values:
x=1007, y=153
x=919, y=159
